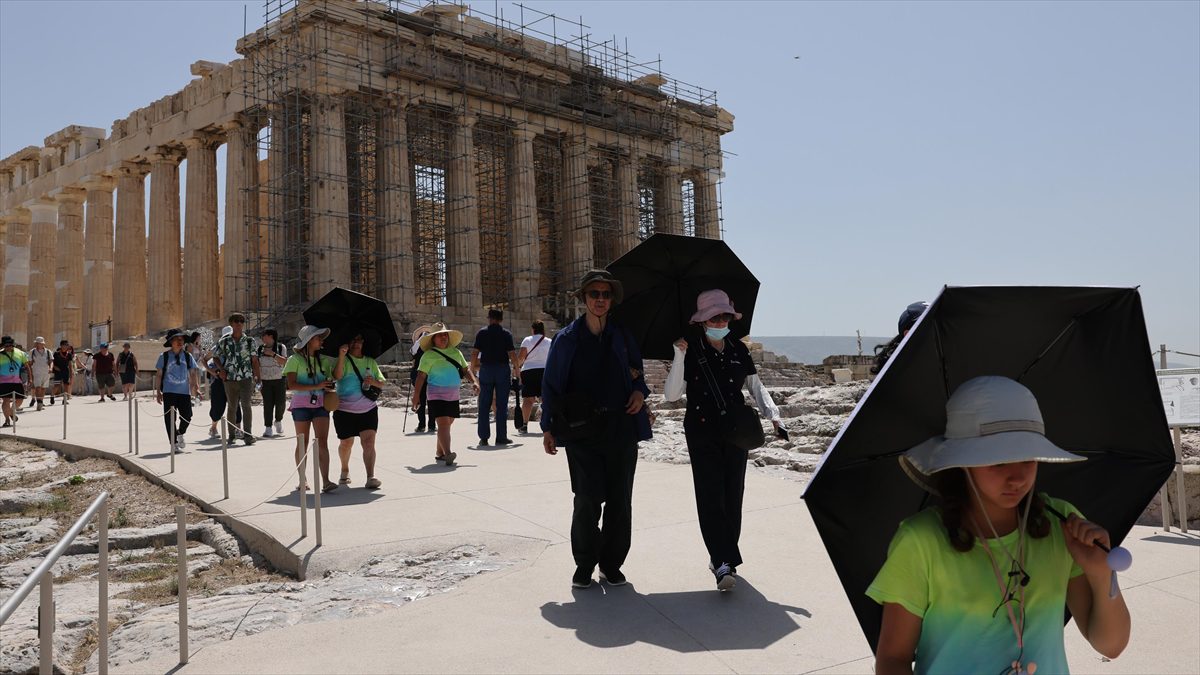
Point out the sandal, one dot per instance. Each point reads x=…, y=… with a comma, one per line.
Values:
x=345, y=479
x=373, y=483
x=302, y=487
x=329, y=487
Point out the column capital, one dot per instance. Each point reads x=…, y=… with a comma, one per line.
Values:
x=165, y=153
x=524, y=134
x=131, y=168
x=19, y=214
x=674, y=170
x=69, y=195
x=99, y=181
x=467, y=120
x=199, y=140
x=398, y=102
x=575, y=140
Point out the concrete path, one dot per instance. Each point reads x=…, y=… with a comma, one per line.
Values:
x=788, y=613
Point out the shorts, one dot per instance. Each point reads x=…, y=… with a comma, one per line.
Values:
x=106, y=380
x=349, y=424
x=531, y=382
x=62, y=377
x=7, y=389
x=41, y=380
x=308, y=414
x=436, y=409
x=128, y=378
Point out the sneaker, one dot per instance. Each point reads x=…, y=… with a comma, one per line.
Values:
x=724, y=574
x=449, y=458
x=102, y=399
x=40, y=406
x=213, y=433
x=582, y=577
x=503, y=441
x=613, y=577
x=6, y=424
x=268, y=433
x=420, y=429
x=179, y=444
x=249, y=440
x=483, y=442
x=279, y=428
x=111, y=397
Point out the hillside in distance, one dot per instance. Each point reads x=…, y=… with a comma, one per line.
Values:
x=812, y=349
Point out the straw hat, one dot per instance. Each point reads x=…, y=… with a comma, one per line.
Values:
x=989, y=420
x=439, y=329
x=421, y=332
x=306, y=335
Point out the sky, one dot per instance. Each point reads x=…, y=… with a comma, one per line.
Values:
x=880, y=151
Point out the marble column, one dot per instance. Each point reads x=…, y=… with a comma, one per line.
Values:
x=98, y=251
x=708, y=215
x=240, y=256
x=577, y=252
x=43, y=246
x=464, y=277
x=330, y=238
x=68, y=302
x=164, y=307
x=129, y=264
x=629, y=199
x=525, y=253
x=393, y=176
x=16, y=276
x=201, y=292
x=3, y=256
x=672, y=202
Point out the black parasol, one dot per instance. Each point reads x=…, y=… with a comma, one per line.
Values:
x=346, y=314
x=1084, y=354
x=662, y=277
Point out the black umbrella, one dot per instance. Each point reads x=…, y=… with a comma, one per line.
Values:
x=346, y=314
x=662, y=277
x=1084, y=354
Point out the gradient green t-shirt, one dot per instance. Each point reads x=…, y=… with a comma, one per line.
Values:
x=955, y=594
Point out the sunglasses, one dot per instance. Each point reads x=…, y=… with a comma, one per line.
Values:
x=599, y=295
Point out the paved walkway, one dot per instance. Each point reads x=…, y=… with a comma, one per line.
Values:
x=788, y=613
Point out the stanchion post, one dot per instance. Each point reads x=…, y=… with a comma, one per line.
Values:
x=171, y=436
x=46, y=624
x=102, y=565
x=225, y=455
x=129, y=422
x=64, y=409
x=181, y=559
x=137, y=439
x=1181, y=506
x=302, y=444
x=1162, y=492
x=317, y=490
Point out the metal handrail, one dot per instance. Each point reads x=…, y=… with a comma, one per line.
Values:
x=43, y=575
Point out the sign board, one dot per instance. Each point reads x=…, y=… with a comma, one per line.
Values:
x=98, y=333
x=1180, y=389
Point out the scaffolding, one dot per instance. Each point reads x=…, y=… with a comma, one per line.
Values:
x=461, y=84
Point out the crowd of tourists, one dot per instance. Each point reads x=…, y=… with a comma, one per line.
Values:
x=30, y=377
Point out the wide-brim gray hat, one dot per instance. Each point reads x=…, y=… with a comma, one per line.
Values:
x=989, y=420
x=307, y=334
x=597, y=276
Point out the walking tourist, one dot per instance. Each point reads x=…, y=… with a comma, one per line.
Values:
x=83, y=367
x=359, y=383
x=40, y=364
x=416, y=352
x=127, y=367
x=593, y=396
x=713, y=369
x=908, y=318
x=193, y=347
x=956, y=607
x=532, y=361
x=103, y=364
x=172, y=386
x=494, y=362
x=309, y=377
x=442, y=369
x=13, y=364
x=237, y=366
x=63, y=366
x=271, y=357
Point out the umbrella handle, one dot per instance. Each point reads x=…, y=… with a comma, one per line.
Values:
x=1119, y=557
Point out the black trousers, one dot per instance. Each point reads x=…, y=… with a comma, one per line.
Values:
x=422, y=404
x=181, y=403
x=602, y=471
x=719, y=477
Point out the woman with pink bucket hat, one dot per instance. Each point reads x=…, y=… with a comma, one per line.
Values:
x=979, y=583
x=713, y=369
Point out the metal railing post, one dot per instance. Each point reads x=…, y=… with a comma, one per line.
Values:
x=102, y=565
x=181, y=558
x=225, y=455
x=46, y=624
x=137, y=441
x=64, y=409
x=171, y=436
x=317, y=491
x=1180, y=493
x=302, y=445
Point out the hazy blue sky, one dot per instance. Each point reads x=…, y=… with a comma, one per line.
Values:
x=910, y=145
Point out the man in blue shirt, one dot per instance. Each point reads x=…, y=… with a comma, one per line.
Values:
x=494, y=361
x=172, y=386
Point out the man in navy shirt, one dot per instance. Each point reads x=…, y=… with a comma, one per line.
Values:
x=494, y=361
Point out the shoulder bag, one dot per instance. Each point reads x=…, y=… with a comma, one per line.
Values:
x=462, y=372
x=372, y=392
x=741, y=426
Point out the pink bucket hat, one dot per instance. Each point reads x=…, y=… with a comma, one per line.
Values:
x=712, y=303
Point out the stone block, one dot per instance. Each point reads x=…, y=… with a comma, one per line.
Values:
x=841, y=375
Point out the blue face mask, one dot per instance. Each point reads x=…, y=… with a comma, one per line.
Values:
x=716, y=333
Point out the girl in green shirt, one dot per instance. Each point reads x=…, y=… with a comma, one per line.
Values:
x=979, y=584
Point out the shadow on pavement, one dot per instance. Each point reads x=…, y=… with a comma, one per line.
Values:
x=342, y=496
x=437, y=467
x=704, y=620
x=1188, y=539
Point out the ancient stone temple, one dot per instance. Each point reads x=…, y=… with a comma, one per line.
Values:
x=444, y=161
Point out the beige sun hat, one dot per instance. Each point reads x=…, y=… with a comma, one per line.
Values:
x=989, y=420
x=438, y=329
x=307, y=334
x=421, y=332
